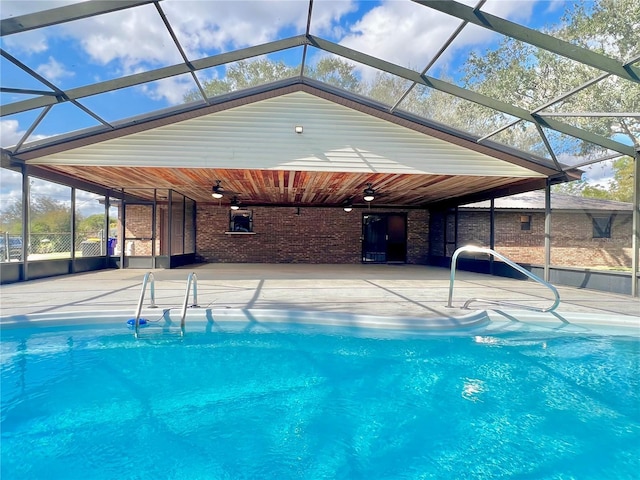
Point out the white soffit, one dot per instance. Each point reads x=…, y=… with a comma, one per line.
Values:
x=261, y=135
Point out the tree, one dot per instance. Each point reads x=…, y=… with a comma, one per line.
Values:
x=92, y=224
x=336, y=72
x=622, y=189
x=11, y=218
x=46, y=215
x=245, y=74
x=530, y=77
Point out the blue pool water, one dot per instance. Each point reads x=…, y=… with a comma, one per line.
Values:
x=311, y=403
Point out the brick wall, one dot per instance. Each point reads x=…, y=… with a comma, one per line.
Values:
x=572, y=242
x=138, y=225
x=330, y=235
x=289, y=235
x=418, y=237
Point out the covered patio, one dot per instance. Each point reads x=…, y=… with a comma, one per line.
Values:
x=296, y=149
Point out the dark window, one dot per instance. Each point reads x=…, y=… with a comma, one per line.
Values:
x=241, y=221
x=525, y=222
x=602, y=226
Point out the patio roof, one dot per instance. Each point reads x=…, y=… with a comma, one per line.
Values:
x=245, y=137
x=561, y=202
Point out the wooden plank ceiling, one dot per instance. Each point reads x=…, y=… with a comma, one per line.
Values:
x=278, y=187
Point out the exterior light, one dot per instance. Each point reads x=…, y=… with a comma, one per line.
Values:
x=299, y=129
x=235, y=204
x=348, y=206
x=369, y=193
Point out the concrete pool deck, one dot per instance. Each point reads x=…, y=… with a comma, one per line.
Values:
x=382, y=290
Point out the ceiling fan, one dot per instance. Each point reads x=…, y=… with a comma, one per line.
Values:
x=218, y=191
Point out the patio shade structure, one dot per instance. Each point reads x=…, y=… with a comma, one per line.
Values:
x=247, y=136
x=297, y=136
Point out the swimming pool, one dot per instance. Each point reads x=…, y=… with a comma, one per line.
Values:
x=255, y=399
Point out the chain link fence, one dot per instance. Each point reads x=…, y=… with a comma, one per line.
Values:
x=51, y=245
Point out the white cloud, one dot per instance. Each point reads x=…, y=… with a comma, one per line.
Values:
x=327, y=17
x=225, y=25
x=126, y=39
x=10, y=188
x=89, y=203
x=29, y=43
x=599, y=173
x=171, y=89
x=409, y=34
x=406, y=34
x=11, y=134
x=45, y=188
x=54, y=71
x=514, y=10
x=555, y=5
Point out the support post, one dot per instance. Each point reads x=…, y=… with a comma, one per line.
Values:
x=105, y=227
x=492, y=233
x=635, y=240
x=547, y=231
x=123, y=230
x=72, y=227
x=25, y=222
x=170, y=227
x=154, y=209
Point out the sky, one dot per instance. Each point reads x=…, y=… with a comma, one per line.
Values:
x=122, y=43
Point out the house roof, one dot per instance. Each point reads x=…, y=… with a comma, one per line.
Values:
x=535, y=200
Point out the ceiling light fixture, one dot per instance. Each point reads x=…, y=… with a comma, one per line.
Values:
x=235, y=204
x=348, y=206
x=369, y=193
x=217, y=190
x=298, y=129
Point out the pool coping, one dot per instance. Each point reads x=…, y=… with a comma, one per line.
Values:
x=487, y=321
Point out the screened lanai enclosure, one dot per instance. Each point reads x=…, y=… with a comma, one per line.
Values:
x=155, y=134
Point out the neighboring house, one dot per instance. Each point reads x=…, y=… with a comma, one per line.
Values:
x=585, y=232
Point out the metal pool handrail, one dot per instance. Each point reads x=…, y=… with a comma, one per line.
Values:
x=191, y=278
x=148, y=276
x=471, y=248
